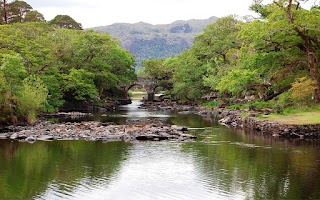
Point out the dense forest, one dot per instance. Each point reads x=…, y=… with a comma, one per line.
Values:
x=46, y=65
x=272, y=61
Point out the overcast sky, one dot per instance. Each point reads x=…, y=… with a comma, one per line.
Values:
x=92, y=13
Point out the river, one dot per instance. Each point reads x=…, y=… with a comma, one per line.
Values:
x=221, y=164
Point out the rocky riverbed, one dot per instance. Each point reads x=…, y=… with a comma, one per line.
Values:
x=97, y=131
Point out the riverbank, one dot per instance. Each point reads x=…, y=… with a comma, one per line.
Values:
x=291, y=126
x=97, y=131
x=303, y=126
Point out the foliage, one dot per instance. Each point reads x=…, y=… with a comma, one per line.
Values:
x=79, y=84
x=67, y=66
x=302, y=91
x=260, y=58
x=31, y=98
x=18, y=12
x=65, y=21
x=159, y=71
x=13, y=71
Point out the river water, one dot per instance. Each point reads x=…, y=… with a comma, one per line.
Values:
x=221, y=164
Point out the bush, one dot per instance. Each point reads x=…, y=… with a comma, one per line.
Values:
x=32, y=98
x=302, y=91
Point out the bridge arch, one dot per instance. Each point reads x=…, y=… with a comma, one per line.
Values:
x=149, y=85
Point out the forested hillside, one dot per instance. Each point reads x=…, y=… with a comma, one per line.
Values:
x=272, y=61
x=156, y=41
x=45, y=65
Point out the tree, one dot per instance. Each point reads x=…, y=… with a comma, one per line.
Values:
x=13, y=71
x=79, y=85
x=17, y=11
x=65, y=21
x=33, y=16
x=158, y=70
x=187, y=76
x=31, y=98
x=291, y=35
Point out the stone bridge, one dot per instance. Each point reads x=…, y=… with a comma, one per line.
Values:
x=149, y=85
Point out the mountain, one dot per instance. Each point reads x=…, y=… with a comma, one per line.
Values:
x=156, y=41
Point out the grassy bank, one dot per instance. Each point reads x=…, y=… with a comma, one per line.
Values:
x=304, y=118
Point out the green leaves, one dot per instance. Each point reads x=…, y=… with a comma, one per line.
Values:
x=80, y=85
x=73, y=66
x=65, y=21
x=13, y=70
x=32, y=97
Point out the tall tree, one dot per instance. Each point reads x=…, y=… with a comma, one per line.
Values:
x=17, y=11
x=34, y=16
x=291, y=34
x=65, y=21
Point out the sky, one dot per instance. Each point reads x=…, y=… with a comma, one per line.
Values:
x=92, y=13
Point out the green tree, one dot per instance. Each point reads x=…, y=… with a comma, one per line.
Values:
x=32, y=98
x=13, y=71
x=187, y=77
x=290, y=37
x=65, y=21
x=79, y=85
x=158, y=70
x=33, y=16
x=17, y=11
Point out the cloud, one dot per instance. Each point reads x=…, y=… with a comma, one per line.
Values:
x=92, y=13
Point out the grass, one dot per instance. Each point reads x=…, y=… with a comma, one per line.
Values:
x=137, y=92
x=305, y=118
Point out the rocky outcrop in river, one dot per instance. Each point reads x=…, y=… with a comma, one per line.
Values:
x=97, y=131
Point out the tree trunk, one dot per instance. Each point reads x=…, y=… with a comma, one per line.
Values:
x=314, y=73
x=151, y=97
x=5, y=11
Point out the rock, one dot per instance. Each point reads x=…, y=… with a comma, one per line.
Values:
x=179, y=128
x=46, y=138
x=30, y=139
x=205, y=113
x=14, y=136
x=153, y=130
x=4, y=136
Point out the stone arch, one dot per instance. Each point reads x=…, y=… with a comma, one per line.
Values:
x=148, y=85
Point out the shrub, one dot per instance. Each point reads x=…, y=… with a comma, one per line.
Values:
x=302, y=91
x=32, y=98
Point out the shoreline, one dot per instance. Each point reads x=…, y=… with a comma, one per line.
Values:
x=154, y=130
x=233, y=119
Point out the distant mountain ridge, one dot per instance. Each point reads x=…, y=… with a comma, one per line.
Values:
x=156, y=41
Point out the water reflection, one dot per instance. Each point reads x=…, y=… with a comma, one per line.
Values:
x=256, y=168
x=27, y=170
x=222, y=164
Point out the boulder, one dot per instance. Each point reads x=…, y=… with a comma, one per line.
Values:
x=30, y=139
x=46, y=138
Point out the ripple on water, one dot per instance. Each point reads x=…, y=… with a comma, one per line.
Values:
x=153, y=170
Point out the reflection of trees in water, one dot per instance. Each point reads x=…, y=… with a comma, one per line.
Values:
x=32, y=167
x=7, y=149
x=256, y=168
x=194, y=120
